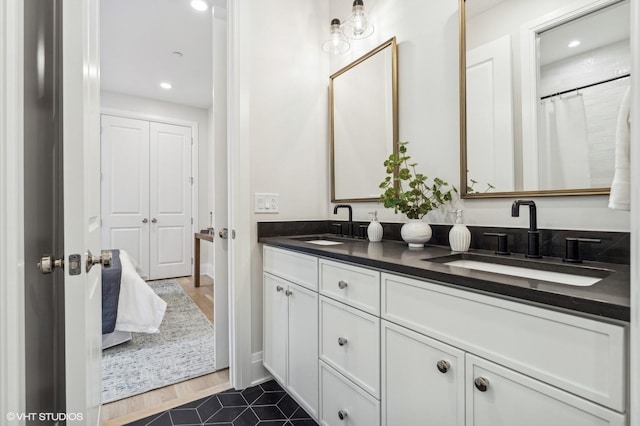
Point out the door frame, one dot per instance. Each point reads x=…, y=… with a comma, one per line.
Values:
x=12, y=351
x=195, y=147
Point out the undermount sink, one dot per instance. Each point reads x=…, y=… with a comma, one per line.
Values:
x=541, y=271
x=323, y=242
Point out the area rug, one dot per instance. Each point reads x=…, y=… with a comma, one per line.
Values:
x=182, y=350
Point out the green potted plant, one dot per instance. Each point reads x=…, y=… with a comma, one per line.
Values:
x=407, y=191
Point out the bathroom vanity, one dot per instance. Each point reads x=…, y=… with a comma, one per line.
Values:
x=372, y=334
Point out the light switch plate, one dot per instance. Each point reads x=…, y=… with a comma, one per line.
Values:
x=267, y=203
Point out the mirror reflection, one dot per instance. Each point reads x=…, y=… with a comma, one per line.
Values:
x=544, y=89
x=363, y=123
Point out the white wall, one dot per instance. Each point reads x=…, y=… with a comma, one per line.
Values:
x=288, y=119
x=111, y=100
x=427, y=36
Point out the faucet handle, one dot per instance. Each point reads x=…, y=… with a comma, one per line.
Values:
x=572, y=248
x=503, y=242
x=337, y=227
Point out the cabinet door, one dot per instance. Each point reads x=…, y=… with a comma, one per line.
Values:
x=416, y=390
x=509, y=398
x=303, y=347
x=275, y=327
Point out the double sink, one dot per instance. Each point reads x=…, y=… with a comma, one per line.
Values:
x=574, y=275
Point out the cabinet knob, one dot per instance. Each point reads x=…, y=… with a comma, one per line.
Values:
x=145, y=220
x=342, y=414
x=154, y=220
x=342, y=284
x=482, y=384
x=288, y=293
x=342, y=341
x=279, y=288
x=443, y=366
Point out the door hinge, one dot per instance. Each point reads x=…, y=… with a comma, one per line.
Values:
x=191, y=180
x=192, y=221
x=192, y=140
x=192, y=260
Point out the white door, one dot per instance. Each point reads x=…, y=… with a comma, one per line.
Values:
x=422, y=379
x=170, y=183
x=507, y=398
x=125, y=187
x=275, y=327
x=302, y=356
x=489, y=100
x=81, y=134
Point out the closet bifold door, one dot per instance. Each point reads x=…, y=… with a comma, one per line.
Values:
x=125, y=187
x=170, y=183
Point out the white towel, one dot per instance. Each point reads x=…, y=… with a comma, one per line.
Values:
x=620, y=195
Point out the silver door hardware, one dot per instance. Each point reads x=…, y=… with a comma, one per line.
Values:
x=342, y=414
x=288, y=293
x=48, y=263
x=279, y=288
x=443, y=366
x=342, y=341
x=224, y=234
x=104, y=259
x=145, y=220
x=154, y=220
x=75, y=264
x=342, y=284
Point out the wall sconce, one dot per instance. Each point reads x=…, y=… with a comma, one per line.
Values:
x=357, y=26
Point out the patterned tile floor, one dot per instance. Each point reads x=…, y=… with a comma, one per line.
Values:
x=262, y=405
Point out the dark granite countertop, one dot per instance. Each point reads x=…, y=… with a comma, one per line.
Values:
x=609, y=298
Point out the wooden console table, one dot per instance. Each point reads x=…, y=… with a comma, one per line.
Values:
x=196, y=261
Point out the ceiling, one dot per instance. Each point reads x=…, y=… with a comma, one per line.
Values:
x=138, y=38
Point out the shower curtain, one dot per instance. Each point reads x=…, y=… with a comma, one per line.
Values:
x=563, y=152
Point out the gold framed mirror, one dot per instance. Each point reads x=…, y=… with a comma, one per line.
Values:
x=532, y=106
x=363, y=123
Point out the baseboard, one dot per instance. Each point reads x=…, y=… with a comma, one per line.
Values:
x=207, y=269
x=258, y=373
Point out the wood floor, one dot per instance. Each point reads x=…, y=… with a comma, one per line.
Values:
x=158, y=400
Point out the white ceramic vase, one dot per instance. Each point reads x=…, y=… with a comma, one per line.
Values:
x=416, y=233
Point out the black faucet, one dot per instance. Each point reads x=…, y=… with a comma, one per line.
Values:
x=350, y=224
x=533, y=249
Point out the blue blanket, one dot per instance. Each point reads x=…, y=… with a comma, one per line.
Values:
x=111, y=292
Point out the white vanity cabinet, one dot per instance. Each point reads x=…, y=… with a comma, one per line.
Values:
x=523, y=365
x=392, y=350
x=290, y=332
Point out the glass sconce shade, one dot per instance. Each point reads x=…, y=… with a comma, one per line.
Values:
x=337, y=42
x=357, y=26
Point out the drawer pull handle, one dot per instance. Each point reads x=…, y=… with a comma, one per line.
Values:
x=482, y=384
x=279, y=288
x=342, y=414
x=342, y=341
x=288, y=293
x=443, y=366
x=342, y=284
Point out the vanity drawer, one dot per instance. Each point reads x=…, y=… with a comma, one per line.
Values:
x=343, y=403
x=353, y=285
x=581, y=355
x=350, y=343
x=292, y=266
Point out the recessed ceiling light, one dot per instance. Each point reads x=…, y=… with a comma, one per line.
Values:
x=574, y=43
x=166, y=85
x=177, y=54
x=199, y=5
